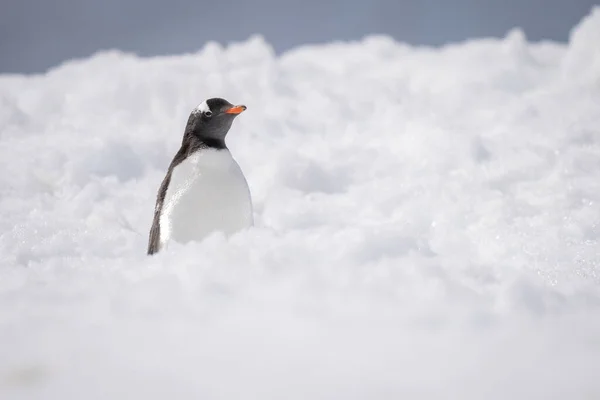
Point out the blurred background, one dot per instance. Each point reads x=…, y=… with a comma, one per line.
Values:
x=38, y=34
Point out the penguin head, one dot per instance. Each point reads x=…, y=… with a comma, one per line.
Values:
x=212, y=119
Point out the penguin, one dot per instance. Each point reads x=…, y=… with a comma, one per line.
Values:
x=204, y=189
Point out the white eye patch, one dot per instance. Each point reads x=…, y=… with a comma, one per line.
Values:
x=202, y=107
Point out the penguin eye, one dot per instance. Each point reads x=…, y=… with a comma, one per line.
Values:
x=208, y=114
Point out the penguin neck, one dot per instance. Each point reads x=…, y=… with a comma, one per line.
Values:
x=193, y=143
x=218, y=144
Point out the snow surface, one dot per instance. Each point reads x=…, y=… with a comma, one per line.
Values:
x=427, y=225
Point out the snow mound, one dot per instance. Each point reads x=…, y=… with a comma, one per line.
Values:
x=583, y=57
x=428, y=225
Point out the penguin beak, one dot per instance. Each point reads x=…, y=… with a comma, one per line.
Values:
x=235, y=110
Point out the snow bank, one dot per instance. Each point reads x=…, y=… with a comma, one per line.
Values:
x=427, y=225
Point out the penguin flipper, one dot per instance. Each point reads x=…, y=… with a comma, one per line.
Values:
x=154, y=237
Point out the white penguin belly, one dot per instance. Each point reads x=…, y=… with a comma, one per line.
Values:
x=208, y=192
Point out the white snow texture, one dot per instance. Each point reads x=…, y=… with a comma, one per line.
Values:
x=427, y=225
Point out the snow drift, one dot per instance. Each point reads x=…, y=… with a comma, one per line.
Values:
x=427, y=225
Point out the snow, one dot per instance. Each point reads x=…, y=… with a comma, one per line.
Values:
x=427, y=225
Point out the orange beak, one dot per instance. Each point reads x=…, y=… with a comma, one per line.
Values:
x=235, y=110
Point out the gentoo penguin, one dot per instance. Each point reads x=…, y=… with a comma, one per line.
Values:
x=204, y=189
